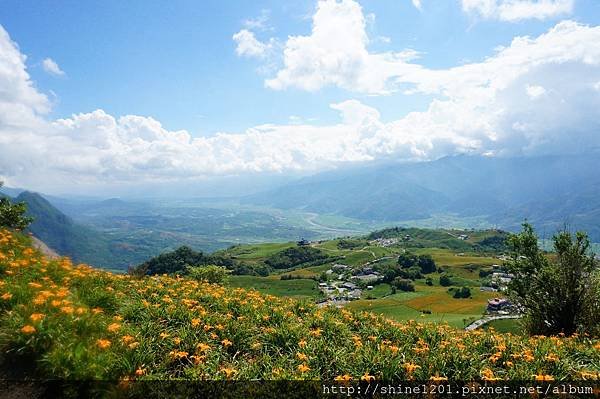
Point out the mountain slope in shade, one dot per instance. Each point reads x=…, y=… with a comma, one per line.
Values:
x=62, y=234
x=548, y=191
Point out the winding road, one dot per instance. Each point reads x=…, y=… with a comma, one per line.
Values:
x=310, y=219
x=478, y=323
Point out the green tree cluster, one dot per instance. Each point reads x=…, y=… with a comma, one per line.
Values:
x=463, y=292
x=178, y=260
x=350, y=243
x=295, y=256
x=403, y=284
x=12, y=215
x=172, y=262
x=408, y=266
x=445, y=280
x=412, y=273
x=424, y=262
x=558, y=294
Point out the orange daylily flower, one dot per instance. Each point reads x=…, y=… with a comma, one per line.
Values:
x=303, y=368
x=28, y=329
x=368, y=378
x=103, y=343
x=37, y=316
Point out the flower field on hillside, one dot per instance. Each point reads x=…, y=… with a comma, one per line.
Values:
x=75, y=322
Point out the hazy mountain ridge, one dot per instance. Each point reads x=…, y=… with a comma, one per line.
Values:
x=117, y=233
x=549, y=191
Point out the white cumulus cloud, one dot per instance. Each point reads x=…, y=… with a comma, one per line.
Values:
x=535, y=91
x=259, y=23
x=248, y=45
x=52, y=67
x=517, y=10
x=484, y=107
x=20, y=103
x=335, y=53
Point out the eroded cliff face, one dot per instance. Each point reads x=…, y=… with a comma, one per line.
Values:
x=43, y=248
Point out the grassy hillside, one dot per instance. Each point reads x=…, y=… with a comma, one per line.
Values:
x=357, y=250
x=459, y=240
x=61, y=320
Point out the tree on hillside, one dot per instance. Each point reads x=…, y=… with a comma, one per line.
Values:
x=407, y=259
x=424, y=262
x=445, y=280
x=463, y=292
x=12, y=216
x=351, y=243
x=295, y=256
x=412, y=273
x=172, y=262
x=427, y=264
x=403, y=284
x=388, y=271
x=558, y=295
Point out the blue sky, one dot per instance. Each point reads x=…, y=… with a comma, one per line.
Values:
x=175, y=61
x=180, y=64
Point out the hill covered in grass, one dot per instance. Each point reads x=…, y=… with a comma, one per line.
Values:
x=491, y=240
x=67, y=321
x=361, y=249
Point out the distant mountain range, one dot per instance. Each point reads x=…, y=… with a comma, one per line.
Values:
x=548, y=191
x=116, y=234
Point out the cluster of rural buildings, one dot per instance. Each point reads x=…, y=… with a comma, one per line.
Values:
x=384, y=242
x=499, y=280
x=388, y=242
x=499, y=306
x=346, y=283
